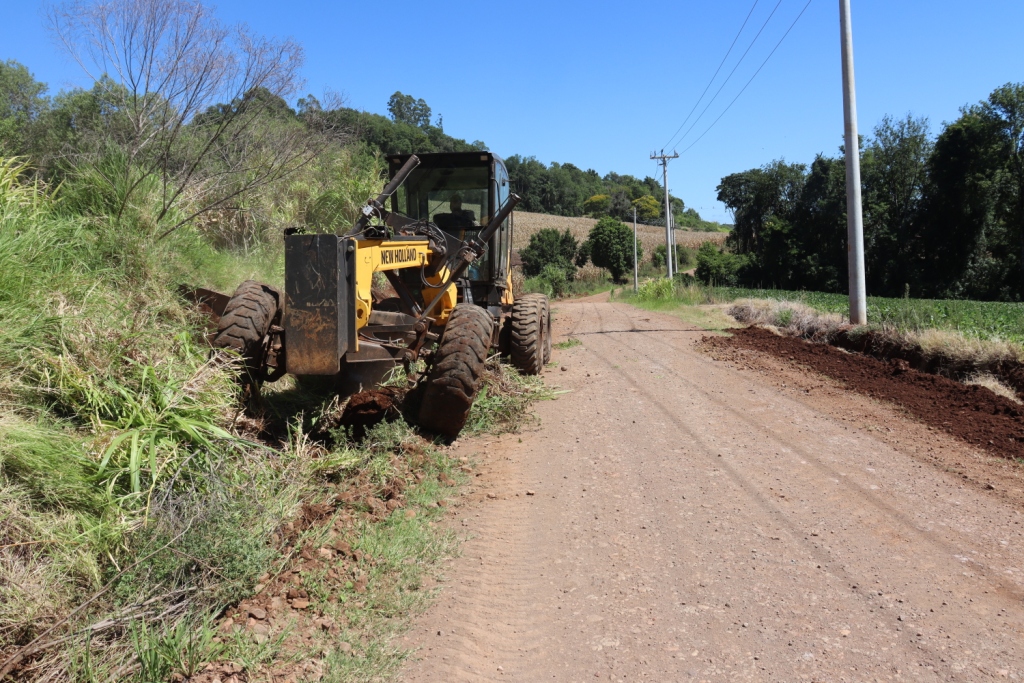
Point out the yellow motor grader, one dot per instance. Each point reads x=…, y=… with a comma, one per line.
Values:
x=441, y=234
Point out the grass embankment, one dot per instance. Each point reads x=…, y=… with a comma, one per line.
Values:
x=136, y=504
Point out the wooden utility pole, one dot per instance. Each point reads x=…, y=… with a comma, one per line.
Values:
x=854, y=209
x=669, y=242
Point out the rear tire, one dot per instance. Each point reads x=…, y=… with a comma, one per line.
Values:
x=244, y=325
x=455, y=374
x=530, y=341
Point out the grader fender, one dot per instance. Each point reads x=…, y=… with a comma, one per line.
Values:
x=319, y=314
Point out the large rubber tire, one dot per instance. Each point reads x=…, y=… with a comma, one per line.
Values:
x=530, y=343
x=246, y=320
x=455, y=374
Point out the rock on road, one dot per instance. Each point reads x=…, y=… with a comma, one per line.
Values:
x=689, y=521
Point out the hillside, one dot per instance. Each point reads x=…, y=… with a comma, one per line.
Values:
x=650, y=236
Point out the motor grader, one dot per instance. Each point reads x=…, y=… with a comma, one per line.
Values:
x=440, y=233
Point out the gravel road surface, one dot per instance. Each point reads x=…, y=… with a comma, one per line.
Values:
x=680, y=518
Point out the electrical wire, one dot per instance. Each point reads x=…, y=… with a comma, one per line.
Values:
x=731, y=73
x=751, y=78
x=720, y=65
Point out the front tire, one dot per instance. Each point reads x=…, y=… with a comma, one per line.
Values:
x=244, y=325
x=458, y=367
x=530, y=340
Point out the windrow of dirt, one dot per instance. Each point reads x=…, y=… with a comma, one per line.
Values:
x=972, y=413
x=872, y=343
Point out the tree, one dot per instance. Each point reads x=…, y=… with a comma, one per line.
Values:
x=610, y=245
x=894, y=177
x=717, y=267
x=756, y=195
x=549, y=248
x=169, y=63
x=647, y=208
x=598, y=205
x=405, y=109
x=21, y=103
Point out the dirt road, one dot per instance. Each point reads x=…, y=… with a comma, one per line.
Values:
x=676, y=518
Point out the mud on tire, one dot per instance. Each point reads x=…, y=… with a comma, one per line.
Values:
x=530, y=343
x=246, y=320
x=455, y=374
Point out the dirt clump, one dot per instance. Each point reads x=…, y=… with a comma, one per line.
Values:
x=972, y=413
x=369, y=408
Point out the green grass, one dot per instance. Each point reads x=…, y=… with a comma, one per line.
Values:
x=115, y=434
x=987, y=320
x=568, y=343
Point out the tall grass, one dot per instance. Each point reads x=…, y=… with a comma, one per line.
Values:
x=115, y=429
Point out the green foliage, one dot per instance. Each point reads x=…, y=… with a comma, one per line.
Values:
x=656, y=290
x=549, y=248
x=381, y=135
x=718, y=266
x=685, y=257
x=943, y=217
x=404, y=109
x=610, y=245
x=565, y=189
x=598, y=205
x=648, y=208
x=21, y=104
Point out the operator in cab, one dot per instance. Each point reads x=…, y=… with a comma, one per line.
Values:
x=458, y=218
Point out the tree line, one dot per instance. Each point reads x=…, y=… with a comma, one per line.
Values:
x=560, y=189
x=943, y=215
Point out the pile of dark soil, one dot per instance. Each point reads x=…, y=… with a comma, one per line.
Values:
x=368, y=408
x=972, y=413
x=882, y=346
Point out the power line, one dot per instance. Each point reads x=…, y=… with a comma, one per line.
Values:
x=708, y=86
x=731, y=73
x=751, y=78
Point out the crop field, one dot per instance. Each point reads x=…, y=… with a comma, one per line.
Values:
x=978, y=319
x=650, y=236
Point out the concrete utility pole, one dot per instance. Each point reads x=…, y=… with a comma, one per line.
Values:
x=854, y=210
x=636, y=266
x=669, y=241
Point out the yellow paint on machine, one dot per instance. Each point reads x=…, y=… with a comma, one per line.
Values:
x=373, y=256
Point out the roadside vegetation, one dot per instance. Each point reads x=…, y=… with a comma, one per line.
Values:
x=943, y=214
x=137, y=501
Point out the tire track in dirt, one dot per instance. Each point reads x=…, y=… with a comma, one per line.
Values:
x=677, y=534
x=1012, y=590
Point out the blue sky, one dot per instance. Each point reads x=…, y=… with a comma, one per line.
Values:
x=602, y=84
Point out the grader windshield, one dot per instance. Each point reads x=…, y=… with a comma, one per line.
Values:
x=455, y=200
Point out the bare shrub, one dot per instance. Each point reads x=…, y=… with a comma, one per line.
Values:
x=191, y=103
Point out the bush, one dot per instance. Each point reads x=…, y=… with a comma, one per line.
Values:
x=656, y=290
x=598, y=205
x=549, y=248
x=685, y=257
x=647, y=208
x=719, y=267
x=610, y=245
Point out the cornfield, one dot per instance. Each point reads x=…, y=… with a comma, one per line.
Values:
x=650, y=236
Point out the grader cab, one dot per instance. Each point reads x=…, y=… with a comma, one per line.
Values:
x=440, y=233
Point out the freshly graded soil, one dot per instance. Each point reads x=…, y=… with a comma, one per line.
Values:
x=971, y=413
x=368, y=408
